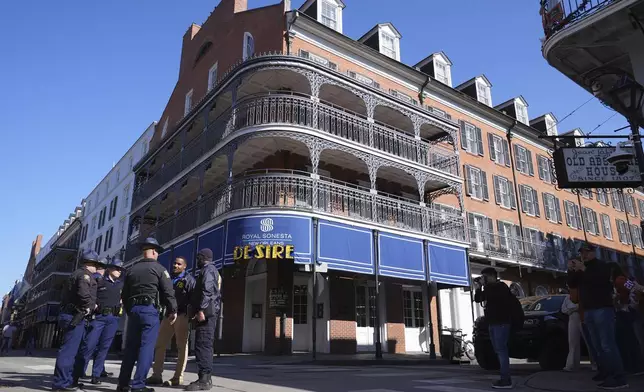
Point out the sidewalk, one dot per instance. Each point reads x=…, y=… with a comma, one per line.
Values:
x=573, y=381
x=363, y=359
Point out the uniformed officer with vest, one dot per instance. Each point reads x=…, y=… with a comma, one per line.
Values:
x=78, y=301
x=103, y=327
x=144, y=283
x=184, y=285
x=206, y=303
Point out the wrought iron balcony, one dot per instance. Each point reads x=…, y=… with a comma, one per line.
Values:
x=557, y=16
x=302, y=111
x=290, y=190
x=545, y=254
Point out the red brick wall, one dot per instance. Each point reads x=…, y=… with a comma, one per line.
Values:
x=342, y=324
x=395, y=318
x=233, y=297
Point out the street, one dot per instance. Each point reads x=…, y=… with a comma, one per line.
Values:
x=250, y=373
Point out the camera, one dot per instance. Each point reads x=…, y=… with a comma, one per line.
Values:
x=479, y=281
x=621, y=159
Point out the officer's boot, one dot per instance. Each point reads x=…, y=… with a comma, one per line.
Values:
x=204, y=383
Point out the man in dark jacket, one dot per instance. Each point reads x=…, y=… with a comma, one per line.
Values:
x=592, y=278
x=183, y=284
x=497, y=299
x=206, y=304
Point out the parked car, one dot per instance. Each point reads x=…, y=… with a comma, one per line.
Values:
x=543, y=338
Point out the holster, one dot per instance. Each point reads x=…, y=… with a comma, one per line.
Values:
x=77, y=318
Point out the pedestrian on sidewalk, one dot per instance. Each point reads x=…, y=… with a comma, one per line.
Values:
x=593, y=279
x=571, y=308
x=104, y=325
x=498, y=302
x=627, y=342
x=206, y=304
x=30, y=340
x=7, y=338
x=144, y=283
x=184, y=285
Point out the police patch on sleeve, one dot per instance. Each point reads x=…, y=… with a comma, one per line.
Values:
x=86, y=277
x=167, y=275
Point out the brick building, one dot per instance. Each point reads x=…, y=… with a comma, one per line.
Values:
x=283, y=131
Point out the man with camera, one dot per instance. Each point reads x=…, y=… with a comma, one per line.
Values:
x=498, y=301
x=592, y=278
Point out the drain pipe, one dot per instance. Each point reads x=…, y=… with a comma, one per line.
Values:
x=508, y=135
x=422, y=89
x=292, y=15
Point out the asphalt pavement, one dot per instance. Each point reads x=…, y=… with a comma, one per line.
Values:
x=261, y=373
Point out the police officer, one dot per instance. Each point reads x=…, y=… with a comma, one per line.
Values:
x=206, y=304
x=103, y=327
x=78, y=301
x=184, y=285
x=143, y=283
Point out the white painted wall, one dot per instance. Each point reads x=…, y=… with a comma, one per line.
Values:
x=119, y=181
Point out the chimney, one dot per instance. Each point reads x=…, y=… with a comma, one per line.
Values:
x=229, y=7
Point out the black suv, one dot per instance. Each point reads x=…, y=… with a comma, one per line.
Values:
x=544, y=336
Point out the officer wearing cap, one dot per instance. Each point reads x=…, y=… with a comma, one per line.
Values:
x=143, y=283
x=78, y=301
x=206, y=303
x=103, y=327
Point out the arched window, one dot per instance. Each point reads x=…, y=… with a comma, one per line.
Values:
x=541, y=290
x=517, y=290
x=249, y=45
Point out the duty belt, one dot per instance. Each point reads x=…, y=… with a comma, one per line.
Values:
x=142, y=300
x=109, y=310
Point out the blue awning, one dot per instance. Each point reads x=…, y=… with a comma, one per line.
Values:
x=164, y=259
x=186, y=250
x=213, y=239
x=345, y=248
x=270, y=230
x=448, y=264
x=401, y=257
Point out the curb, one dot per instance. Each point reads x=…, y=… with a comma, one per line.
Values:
x=371, y=362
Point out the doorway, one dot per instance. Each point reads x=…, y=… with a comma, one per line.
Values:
x=255, y=307
x=417, y=333
x=302, y=314
x=365, y=317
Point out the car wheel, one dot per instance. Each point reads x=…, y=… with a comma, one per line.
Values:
x=485, y=355
x=554, y=354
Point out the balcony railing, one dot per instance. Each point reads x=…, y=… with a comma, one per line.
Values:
x=302, y=111
x=545, y=254
x=557, y=16
x=298, y=191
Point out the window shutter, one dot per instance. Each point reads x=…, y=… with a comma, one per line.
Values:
x=497, y=189
x=535, y=195
x=575, y=208
x=567, y=211
x=516, y=158
x=470, y=220
x=546, y=210
x=499, y=227
x=304, y=54
x=486, y=195
x=468, y=182
x=530, y=165
x=558, y=209
x=506, y=153
x=463, y=135
x=490, y=230
x=490, y=144
x=540, y=167
x=479, y=141
x=517, y=231
x=522, y=195
x=596, y=222
x=513, y=196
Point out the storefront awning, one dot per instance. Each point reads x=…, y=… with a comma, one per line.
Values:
x=401, y=257
x=213, y=239
x=448, y=264
x=345, y=247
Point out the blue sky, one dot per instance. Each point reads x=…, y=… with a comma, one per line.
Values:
x=80, y=80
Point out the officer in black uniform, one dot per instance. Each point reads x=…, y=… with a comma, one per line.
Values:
x=78, y=301
x=143, y=283
x=206, y=304
x=104, y=325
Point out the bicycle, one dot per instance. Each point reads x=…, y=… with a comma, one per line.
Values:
x=459, y=347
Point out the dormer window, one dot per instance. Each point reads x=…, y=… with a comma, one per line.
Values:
x=442, y=72
x=437, y=65
x=551, y=126
x=522, y=111
x=483, y=93
x=388, y=45
x=329, y=15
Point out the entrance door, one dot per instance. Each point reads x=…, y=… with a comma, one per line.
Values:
x=416, y=333
x=255, y=313
x=302, y=334
x=365, y=317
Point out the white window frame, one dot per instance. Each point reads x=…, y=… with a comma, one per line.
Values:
x=126, y=196
x=445, y=75
x=499, y=154
x=602, y=197
x=483, y=93
x=608, y=234
x=591, y=221
x=249, y=45
x=212, y=76
x=636, y=236
x=549, y=204
x=570, y=213
x=522, y=160
x=507, y=236
x=623, y=232
x=547, y=175
x=551, y=126
x=471, y=141
x=504, y=185
x=121, y=233
x=392, y=51
x=477, y=184
x=187, y=104
x=326, y=19
x=522, y=112
x=531, y=209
